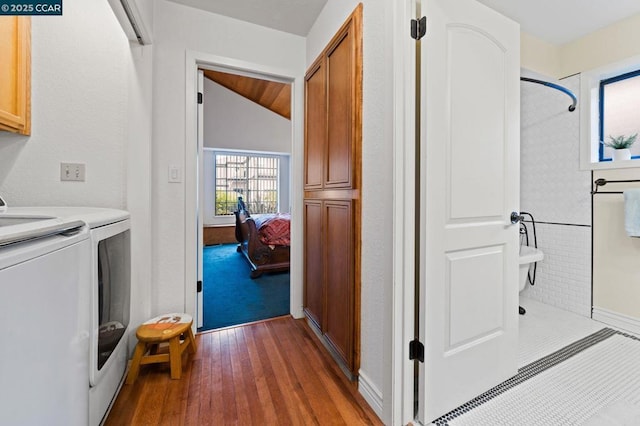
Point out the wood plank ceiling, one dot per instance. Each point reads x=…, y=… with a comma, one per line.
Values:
x=269, y=94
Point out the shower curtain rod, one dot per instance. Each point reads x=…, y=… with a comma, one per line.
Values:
x=572, y=107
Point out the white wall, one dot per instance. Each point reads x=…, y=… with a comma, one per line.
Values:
x=79, y=112
x=138, y=203
x=539, y=56
x=178, y=31
x=232, y=121
x=557, y=193
x=605, y=46
x=377, y=185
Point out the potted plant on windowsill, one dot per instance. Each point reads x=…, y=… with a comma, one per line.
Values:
x=621, y=145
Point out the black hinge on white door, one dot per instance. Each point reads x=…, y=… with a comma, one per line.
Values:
x=199, y=97
x=418, y=28
x=416, y=350
x=199, y=286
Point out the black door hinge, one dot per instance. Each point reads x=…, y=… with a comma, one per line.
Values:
x=418, y=28
x=199, y=97
x=199, y=285
x=416, y=350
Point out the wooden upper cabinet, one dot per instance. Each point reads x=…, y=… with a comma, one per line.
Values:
x=15, y=74
x=340, y=94
x=315, y=126
x=333, y=113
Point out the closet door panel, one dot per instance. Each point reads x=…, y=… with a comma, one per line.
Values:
x=340, y=112
x=315, y=126
x=338, y=329
x=313, y=262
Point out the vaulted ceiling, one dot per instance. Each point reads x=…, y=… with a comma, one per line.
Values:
x=270, y=94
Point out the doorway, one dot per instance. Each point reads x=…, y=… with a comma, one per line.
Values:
x=194, y=220
x=246, y=144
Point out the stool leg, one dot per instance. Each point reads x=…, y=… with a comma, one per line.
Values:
x=191, y=342
x=141, y=348
x=175, y=357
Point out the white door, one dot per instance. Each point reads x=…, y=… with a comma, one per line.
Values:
x=200, y=221
x=470, y=184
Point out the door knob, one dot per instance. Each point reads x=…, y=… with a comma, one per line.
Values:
x=516, y=217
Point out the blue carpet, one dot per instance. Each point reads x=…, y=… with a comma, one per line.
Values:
x=231, y=297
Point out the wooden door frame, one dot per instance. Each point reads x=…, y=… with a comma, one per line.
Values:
x=193, y=61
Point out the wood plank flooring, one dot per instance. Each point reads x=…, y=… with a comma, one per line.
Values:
x=269, y=373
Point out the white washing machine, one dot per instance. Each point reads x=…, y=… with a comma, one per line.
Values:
x=106, y=296
x=44, y=317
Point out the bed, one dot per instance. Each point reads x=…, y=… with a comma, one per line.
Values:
x=263, y=240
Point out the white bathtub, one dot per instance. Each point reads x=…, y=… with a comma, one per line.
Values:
x=528, y=255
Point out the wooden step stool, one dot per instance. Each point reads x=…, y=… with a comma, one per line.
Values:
x=161, y=329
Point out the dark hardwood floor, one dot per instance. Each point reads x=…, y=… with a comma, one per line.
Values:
x=269, y=373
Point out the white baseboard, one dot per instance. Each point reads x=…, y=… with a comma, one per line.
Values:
x=617, y=320
x=370, y=393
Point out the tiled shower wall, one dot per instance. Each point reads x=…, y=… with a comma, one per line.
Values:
x=557, y=193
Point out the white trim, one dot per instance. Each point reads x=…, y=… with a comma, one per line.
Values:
x=402, y=315
x=370, y=393
x=193, y=60
x=617, y=320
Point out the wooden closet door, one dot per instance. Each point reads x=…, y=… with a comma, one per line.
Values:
x=338, y=323
x=315, y=126
x=313, y=262
x=340, y=110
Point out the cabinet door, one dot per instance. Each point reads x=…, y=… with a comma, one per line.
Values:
x=15, y=74
x=313, y=262
x=339, y=282
x=340, y=111
x=315, y=126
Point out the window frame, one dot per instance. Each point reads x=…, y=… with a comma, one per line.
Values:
x=589, y=107
x=248, y=154
x=207, y=193
x=601, y=98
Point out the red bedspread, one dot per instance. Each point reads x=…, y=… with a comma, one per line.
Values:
x=274, y=229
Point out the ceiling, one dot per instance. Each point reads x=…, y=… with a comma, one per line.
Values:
x=291, y=16
x=554, y=21
x=269, y=94
x=559, y=22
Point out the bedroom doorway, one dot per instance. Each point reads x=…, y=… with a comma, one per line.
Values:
x=245, y=142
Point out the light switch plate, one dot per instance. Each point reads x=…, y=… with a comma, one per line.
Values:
x=175, y=174
x=72, y=172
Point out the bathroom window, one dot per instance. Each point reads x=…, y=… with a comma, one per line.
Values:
x=609, y=106
x=619, y=106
